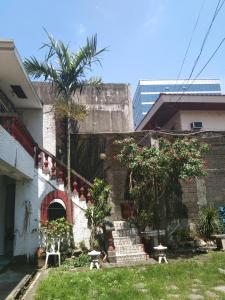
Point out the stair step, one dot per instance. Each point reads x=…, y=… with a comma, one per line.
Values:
x=124, y=258
x=123, y=225
x=130, y=249
x=125, y=232
x=125, y=241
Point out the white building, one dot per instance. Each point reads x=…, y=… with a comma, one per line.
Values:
x=31, y=178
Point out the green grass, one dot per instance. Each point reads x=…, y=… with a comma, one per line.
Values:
x=143, y=282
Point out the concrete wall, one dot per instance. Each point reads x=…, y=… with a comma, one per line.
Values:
x=109, y=108
x=174, y=123
x=113, y=173
x=208, y=191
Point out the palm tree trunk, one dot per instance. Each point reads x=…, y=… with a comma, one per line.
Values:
x=69, y=194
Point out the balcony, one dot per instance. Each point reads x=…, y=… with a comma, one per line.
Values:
x=16, y=148
x=12, y=124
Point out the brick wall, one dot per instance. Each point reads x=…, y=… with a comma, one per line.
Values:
x=194, y=195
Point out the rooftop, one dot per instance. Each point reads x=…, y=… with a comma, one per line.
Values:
x=167, y=105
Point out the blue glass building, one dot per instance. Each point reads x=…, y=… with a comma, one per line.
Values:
x=148, y=91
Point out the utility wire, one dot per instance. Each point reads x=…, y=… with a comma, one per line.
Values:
x=199, y=73
x=217, y=10
x=205, y=65
x=211, y=57
x=190, y=41
x=189, y=45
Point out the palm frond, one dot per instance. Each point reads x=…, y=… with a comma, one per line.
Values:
x=87, y=55
x=38, y=69
x=68, y=72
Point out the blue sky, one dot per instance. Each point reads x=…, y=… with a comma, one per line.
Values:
x=147, y=39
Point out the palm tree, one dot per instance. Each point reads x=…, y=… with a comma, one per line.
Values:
x=67, y=72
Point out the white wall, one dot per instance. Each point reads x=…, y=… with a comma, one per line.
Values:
x=212, y=120
x=49, y=130
x=33, y=120
x=31, y=193
x=81, y=232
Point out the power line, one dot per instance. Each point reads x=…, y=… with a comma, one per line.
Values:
x=189, y=44
x=217, y=10
x=211, y=57
x=191, y=38
x=205, y=65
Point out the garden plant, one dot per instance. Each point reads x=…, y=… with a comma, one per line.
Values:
x=209, y=222
x=99, y=210
x=156, y=171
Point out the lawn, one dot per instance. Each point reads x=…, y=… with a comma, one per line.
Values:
x=178, y=280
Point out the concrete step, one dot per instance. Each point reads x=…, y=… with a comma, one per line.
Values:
x=125, y=241
x=123, y=225
x=125, y=258
x=125, y=232
x=148, y=261
x=130, y=249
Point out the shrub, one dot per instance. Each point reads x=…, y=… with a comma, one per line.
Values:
x=100, y=209
x=61, y=229
x=83, y=260
x=208, y=222
x=182, y=234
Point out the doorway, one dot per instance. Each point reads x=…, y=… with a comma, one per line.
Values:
x=7, y=211
x=56, y=210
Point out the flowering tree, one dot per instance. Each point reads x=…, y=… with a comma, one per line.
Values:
x=155, y=171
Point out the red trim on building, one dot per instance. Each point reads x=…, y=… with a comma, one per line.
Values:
x=57, y=194
x=17, y=129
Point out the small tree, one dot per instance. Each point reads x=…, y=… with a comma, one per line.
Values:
x=67, y=72
x=99, y=210
x=155, y=171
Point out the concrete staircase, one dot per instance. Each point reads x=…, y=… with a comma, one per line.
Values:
x=127, y=244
